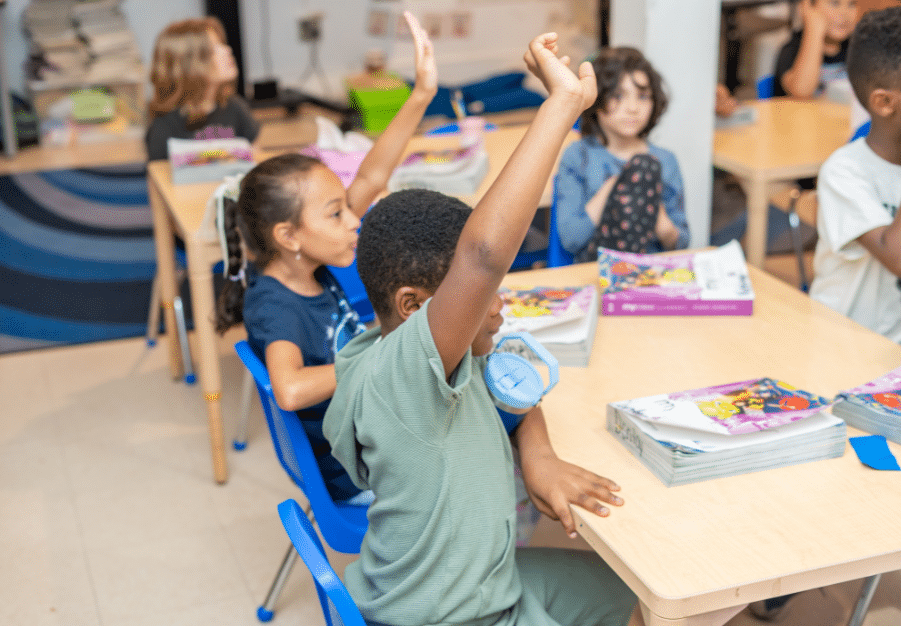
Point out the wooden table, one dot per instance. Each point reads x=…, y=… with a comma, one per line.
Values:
x=180, y=209
x=790, y=140
x=696, y=554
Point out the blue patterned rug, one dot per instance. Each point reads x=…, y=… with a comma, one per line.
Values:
x=76, y=256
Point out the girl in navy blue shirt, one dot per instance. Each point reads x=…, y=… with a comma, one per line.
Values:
x=294, y=218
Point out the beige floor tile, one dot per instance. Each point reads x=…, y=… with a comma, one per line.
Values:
x=171, y=572
x=237, y=611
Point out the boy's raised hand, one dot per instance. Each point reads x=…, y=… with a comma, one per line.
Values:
x=554, y=73
x=426, y=68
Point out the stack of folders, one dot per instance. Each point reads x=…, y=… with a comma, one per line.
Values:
x=562, y=319
x=874, y=407
x=731, y=429
x=452, y=171
x=208, y=160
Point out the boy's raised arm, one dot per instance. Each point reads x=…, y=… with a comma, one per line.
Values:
x=497, y=227
x=385, y=154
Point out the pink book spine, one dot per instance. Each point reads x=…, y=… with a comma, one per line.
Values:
x=656, y=305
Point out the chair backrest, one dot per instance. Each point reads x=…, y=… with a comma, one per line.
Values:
x=350, y=282
x=337, y=606
x=557, y=256
x=862, y=131
x=766, y=86
x=343, y=525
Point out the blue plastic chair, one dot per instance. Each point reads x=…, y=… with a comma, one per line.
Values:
x=333, y=596
x=349, y=279
x=342, y=524
x=862, y=131
x=766, y=86
x=557, y=256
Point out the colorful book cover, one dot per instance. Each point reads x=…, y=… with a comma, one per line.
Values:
x=882, y=394
x=732, y=409
x=533, y=308
x=709, y=282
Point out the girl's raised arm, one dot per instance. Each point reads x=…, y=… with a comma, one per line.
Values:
x=385, y=155
x=496, y=229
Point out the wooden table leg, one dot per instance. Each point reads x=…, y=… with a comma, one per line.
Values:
x=164, y=240
x=200, y=277
x=714, y=618
x=758, y=216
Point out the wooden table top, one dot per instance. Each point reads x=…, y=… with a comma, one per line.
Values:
x=696, y=548
x=791, y=138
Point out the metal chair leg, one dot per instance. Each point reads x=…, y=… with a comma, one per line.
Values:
x=247, y=385
x=266, y=611
x=864, y=599
x=179, y=309
x=153, y=315
x=795, y=223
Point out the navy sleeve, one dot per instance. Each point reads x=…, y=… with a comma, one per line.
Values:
x=784, y=62
x=245, y=125
x=157, y=136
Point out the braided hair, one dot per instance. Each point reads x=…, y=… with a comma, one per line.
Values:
x=271, y=193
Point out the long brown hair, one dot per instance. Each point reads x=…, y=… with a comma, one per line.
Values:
x=272, y=192
x=610, y=66
x=182, y=61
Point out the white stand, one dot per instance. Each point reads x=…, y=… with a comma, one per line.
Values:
x=6, y=109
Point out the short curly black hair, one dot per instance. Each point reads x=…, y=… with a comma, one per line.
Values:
x=874, y=53
x=610, y=66
x=408, y=240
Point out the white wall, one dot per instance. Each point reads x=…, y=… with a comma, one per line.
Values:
x=681, y=39
x=499, y=35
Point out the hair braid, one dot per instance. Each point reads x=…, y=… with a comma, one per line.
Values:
x=229, y=309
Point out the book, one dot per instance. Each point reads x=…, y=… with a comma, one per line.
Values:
x=725, y=430
x=207, y=160
x=708, y=282
x=562, y=319
x=455, y=171
x=874, y=407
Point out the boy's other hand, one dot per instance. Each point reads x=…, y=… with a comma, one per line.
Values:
x=554, y=484
x=554, y=73
x=426, y=68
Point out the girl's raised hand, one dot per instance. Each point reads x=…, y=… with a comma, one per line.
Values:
x=426, y=69
x=554, y=73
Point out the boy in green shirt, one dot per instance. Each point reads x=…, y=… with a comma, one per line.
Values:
x=412, y=419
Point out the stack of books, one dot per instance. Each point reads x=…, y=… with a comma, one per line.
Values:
x=58, y=54
x=709, y=282
x=456, y=172
x=78, y=42
x=208, y=160
x=874, y=407
x=110, y=41
x=726, y=430
x=562, y=319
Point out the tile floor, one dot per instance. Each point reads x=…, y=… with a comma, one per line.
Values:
x=110, y=516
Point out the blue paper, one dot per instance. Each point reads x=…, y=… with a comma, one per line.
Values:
x=872, y=450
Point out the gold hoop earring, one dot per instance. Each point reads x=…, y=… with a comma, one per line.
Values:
x=297, y=256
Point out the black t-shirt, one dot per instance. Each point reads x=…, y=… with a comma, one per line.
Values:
x=226, y=122
x=318, y=325
x=833, y=66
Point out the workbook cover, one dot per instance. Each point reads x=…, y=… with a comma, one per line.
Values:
x=708, y=282
x=732, y=409
x=454, y=171
x=874, y=407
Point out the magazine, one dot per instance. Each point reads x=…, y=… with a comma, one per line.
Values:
x=712, y=432
x=709, y=282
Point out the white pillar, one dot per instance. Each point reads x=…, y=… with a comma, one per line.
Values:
x=681, y=40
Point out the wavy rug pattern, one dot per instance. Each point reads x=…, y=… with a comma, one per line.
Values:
x=76, y=256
